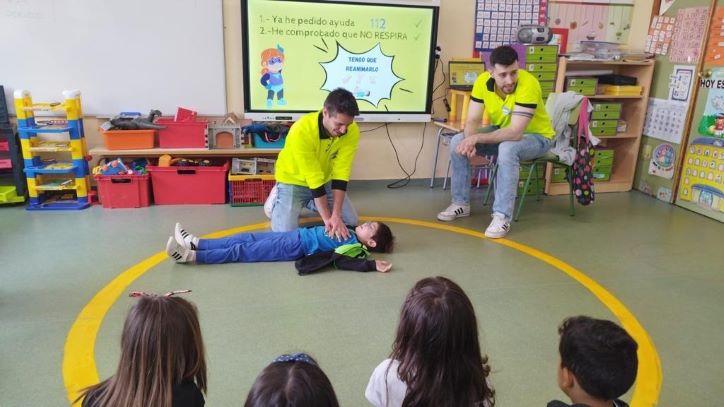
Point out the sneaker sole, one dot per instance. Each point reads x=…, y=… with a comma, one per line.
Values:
x=497, y=235
x=451, y=218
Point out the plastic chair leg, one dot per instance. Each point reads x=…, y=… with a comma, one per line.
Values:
x=522, y=198
x=571, y=204
x=491, y=183
x=447, y=175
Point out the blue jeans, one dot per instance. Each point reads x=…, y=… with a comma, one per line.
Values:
x=510, y=154
x=291, y=199
x=251, y=247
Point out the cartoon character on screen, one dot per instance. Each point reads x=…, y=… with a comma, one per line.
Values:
x=272, y=60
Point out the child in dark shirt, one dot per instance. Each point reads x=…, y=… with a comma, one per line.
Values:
x=598, y=362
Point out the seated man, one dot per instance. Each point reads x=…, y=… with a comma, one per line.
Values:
x=512, y=98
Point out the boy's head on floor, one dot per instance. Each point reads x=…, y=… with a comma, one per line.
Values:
x=598, y=359
x=377, y=236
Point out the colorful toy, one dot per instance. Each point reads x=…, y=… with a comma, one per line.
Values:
x=44, y=189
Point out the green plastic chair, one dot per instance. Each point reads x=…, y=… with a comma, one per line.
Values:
x=532, y=166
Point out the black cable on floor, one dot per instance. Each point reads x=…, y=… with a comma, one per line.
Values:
x=402, y=182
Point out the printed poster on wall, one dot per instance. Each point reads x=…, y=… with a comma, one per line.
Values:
x=689, y=32
x=662, y=161
x=665, y=120
x=497, y=21
x=702, y=175
x=661, y=31
x=714, y=53
x=681, y=83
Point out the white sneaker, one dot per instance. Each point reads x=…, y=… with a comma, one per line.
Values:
x=270, y=200
x=454, y=211
x=184, y=238
x=179, y=253
x=499, y=227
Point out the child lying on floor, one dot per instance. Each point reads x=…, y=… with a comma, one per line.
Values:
x=310, y=247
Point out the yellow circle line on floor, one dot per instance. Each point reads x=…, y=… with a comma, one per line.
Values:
x=79, y=367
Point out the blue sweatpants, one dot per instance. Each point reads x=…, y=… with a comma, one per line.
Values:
x=251, y=247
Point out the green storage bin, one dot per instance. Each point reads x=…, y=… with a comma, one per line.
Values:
x=544, y=76
x=601, y=173
x=604, y=123
x=540, y=173
x=603, y=157
x=536, y=186
x=603, y=131
x=605, y=115
x=547, y=86
x=541, y=50
x=558, y=174
x=582, y=82
x=585, y=91
x=606, y=107
x=541, y=67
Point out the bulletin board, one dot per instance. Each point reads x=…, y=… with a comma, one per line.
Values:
x=130, y=55
x=666, y=85
x=497, y=21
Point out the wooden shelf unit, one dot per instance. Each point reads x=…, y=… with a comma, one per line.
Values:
x=100, y=152
x=625, y=145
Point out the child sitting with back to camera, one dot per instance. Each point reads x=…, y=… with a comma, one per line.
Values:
x=598, y=362
x=292, y=380
x=162, y=360
x=436, y=358
x=311, y=247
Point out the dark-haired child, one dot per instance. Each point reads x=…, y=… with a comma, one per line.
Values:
x=436, y=358
x=310, y=246
x=162, y=359
x=292, y=380
x=598, y=362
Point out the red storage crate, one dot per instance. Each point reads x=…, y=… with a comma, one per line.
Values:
x=124, y=191
x=182, y=134
x=250, y=190
x=189, y=185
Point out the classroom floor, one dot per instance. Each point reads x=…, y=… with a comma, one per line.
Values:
x=663, y=263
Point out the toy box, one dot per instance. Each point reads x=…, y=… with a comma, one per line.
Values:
x=128, y=139
x=262, y=141
x=124, y=191
x=188, y=134
x=249, y=190
x=189, y=185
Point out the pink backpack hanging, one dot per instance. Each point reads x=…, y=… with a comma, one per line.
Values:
x=583, y=163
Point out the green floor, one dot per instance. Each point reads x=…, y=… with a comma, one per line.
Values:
x=662, y=262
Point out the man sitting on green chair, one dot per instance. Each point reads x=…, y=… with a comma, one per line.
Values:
x=512, y=98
